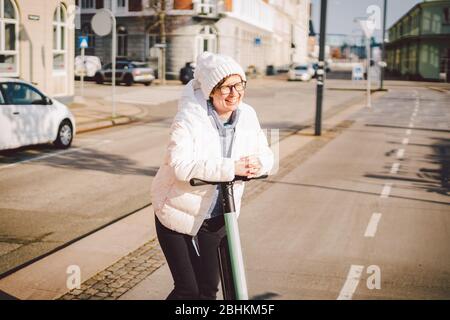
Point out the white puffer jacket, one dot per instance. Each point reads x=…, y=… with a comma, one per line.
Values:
x=194, y=151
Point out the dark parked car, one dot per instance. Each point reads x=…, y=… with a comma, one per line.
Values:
x=127, y=72
x=187, y=72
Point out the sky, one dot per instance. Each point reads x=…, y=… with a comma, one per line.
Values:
x=341, y=13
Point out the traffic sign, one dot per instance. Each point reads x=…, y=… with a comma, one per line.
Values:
x=83, y=42
x=102, y=23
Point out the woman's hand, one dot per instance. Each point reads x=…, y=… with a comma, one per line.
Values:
x=247, y=166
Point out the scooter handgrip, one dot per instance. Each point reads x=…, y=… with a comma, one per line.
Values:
x=244, y=178
x=197, y=182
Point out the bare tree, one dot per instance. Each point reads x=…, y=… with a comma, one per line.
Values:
x=160, y=9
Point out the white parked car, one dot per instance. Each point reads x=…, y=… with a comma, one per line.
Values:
x=303, y=72
x=91, y=63
x=28, y=117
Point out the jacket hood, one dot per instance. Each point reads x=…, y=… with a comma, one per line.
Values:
x=192, y=98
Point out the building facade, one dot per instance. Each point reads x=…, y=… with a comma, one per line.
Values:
x=419, y=43
x=255, y=32
x=37, y=44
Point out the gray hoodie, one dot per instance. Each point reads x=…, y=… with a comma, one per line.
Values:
x=226, y=129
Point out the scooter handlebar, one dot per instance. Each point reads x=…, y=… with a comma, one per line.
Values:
x=199, y=182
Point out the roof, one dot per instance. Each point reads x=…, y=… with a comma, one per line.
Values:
x=12, y=80
x=419, y=5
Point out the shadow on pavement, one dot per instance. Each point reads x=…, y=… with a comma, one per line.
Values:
x=433, y=180
x=82, y=158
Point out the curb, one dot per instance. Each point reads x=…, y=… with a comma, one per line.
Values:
x=358, y=89
x=104, y=124
x=439, y=89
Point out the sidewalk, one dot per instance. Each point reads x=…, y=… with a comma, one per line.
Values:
x=123, y=260
x=92, y=113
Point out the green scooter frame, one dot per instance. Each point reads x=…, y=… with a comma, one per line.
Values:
x=231, y=262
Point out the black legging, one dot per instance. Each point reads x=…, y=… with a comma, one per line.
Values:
x=195, y=277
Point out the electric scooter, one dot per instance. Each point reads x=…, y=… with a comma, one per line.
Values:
x=231, y=262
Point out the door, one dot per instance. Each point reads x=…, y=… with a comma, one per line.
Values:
x=34, y=122
x=8, y=124
x=119, y=71
x=206, y=40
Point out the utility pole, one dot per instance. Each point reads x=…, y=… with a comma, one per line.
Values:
x=368, y=82
x=383, y=45
x=321, y=68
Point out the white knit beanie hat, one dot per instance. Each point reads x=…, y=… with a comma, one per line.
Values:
x=212, y=68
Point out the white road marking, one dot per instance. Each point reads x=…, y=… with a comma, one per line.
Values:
x=400, y=153
x=395, y=167
x=386, y=190
x=372, y=226
x=54, y=154
x=411, y=125
x=408, y=132
x=351, y=283
x=405, y=141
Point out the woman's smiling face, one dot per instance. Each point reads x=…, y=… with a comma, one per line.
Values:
x=225, y=104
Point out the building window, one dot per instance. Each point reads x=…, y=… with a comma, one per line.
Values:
x=206, y=40
x=59, y=38
x=445, y=15
x=88, y=4
x=204, y=7
x=134, y=5
x=121, y=3
x=91, y=4
x=122, y=41
x=153, y=39
x=9, y=41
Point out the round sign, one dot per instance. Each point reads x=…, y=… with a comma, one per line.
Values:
x=101, y=23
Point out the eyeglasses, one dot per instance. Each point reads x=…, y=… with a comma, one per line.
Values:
x=239, y=87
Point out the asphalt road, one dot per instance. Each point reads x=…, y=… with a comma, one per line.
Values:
x=366, y=217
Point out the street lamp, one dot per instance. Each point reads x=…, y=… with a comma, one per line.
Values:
x=383, y=45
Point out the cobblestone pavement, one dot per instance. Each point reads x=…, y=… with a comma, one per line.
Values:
x=122, y=276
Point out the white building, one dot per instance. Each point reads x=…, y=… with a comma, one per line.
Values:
x=254, y=32
x=37, y=44
x=265, y=33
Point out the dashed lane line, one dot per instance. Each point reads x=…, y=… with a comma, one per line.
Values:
x=386, y=190
x=351, y=282
x=373, y=225
x=395, y=167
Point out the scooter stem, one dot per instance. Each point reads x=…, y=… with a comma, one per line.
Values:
x=234, y=242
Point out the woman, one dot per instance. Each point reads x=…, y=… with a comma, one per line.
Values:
x=214, y=137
